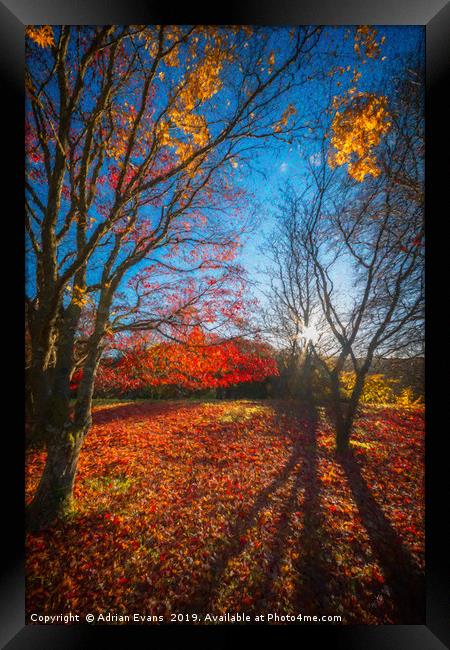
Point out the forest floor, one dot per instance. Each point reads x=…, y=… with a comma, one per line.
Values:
x=237, y=506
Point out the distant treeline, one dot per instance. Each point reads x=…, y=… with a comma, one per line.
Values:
x=389, y=378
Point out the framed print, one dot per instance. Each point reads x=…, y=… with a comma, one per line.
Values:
x=233, y=333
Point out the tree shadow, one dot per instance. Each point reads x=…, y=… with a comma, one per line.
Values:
x=403, y=577
x=104, y=415
x=202, y=600
x=312, y=570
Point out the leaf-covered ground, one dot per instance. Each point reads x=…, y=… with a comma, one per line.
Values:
x=238, y=506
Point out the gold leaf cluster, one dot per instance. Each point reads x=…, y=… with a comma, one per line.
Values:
x=288, y=112
x=366, y=44
x=356, y=131
x=42, y=35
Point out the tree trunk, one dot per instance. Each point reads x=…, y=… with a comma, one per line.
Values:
x=40, y=376
x=343, y=430
x=53, y=496
x=65, y=436
x=307, y=392
x=339, y=416
x=40, y=394
x=344, y=424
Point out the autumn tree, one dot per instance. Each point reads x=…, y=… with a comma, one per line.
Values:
x=361, y=229
x=358, y=122
x=377, y=226
x=202, y=361
x=382, y=234
x=134, y=135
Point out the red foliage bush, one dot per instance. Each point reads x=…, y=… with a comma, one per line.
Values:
x=202, y=362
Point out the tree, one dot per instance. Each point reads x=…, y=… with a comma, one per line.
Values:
x=360, y=219
x=359, y=121
x=202, y=361
x=292, y=301
x=379, y=229
x=133, y=136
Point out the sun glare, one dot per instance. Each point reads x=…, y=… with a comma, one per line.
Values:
x=309, y=333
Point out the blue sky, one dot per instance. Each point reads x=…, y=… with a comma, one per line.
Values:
x=283, y=163
x=288, y=163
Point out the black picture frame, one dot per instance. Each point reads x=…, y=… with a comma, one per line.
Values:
x=435, y=16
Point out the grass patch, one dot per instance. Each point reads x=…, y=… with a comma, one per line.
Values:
x=119, y=484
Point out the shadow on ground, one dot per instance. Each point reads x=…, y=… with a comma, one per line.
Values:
x=402, y=576
x=103, y=414
x=314, y=582
x=301, y=472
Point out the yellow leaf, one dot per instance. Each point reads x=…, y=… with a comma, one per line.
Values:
x=43, y=35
